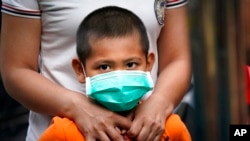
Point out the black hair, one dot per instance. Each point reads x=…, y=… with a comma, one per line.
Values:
x=106, y=22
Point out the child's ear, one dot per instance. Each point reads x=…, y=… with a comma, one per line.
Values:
x=150, y=61
x=77, y=66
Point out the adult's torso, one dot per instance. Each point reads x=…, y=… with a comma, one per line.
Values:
x=60, y=20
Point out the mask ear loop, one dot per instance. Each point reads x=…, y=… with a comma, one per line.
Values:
x=87, y=81
x=83, y=70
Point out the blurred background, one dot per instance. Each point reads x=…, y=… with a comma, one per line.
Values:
x=220, y=47
x=220, y=43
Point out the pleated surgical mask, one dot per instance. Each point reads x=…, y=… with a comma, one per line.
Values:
x=119, y=90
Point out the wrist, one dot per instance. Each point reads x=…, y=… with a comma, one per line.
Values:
x=72, y=104
x=166, y=103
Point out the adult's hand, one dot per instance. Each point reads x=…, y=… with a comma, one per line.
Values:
x=98, y=123
x=149, y=120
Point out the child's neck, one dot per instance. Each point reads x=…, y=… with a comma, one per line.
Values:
x=124, y=113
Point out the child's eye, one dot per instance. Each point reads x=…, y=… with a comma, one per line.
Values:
x=104, y=67
x=131, y=65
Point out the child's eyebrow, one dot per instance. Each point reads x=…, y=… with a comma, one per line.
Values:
x=133, y=59
x=112, y=62
x=104, y=61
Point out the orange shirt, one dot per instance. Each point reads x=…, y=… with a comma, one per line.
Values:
x=63, y=129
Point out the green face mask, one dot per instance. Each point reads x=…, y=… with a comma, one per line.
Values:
x=119, y=90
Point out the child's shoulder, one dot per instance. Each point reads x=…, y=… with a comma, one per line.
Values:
x=62, y=129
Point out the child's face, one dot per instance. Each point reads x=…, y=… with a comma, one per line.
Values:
x=110, y=54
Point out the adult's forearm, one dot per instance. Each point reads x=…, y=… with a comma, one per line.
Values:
x=38, y=93
x=173, y=81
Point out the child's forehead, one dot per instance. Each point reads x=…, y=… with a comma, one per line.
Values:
x=116, y=47
x=129, y=38
x=100, y=36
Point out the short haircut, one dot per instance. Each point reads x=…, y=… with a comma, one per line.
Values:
x=109, y=22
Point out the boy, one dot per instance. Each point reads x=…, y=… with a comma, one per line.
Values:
x=114, y=62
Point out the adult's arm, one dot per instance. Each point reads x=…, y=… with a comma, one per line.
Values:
x=19, y=50
x=173, y=81
x=174, y=56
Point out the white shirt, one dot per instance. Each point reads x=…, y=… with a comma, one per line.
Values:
x=60, y=20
